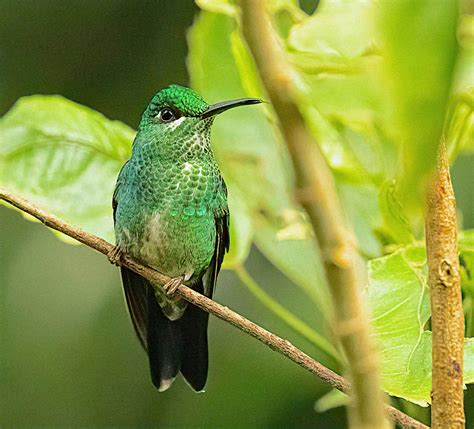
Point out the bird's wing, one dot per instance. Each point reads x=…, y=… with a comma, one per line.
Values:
x=194, y=364
x=117, y=188
x=135, y=287
x=222, y=220
x=136, y=291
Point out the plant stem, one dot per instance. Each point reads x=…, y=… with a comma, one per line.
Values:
x=274, y=342
x=315, y=190
x=289, y=318
x=447, y=318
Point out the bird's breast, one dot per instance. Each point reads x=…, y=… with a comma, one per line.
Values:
x=174, y=244
x=166, y=214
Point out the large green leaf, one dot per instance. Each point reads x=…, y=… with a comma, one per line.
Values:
x=419, y=64
x=398, y=296
x=65, y=158
x=460, y=119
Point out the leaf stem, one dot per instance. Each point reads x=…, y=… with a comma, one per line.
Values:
x=287, y=316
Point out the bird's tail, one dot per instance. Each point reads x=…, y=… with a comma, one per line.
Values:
x=195, y=362
x=172, y=346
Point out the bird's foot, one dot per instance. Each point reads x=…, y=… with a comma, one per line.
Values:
x=115, y=255
x=172, y=286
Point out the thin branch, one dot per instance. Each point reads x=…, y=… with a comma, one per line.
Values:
x=287, y=316
x=276, y=343
x=316, y=191
x=447, y=319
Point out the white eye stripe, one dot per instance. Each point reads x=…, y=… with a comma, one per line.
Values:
x=173, y=125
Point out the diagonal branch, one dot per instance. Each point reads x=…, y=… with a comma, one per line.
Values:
x=316, y=191
x=273, y=341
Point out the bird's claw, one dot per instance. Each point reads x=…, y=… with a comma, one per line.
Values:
x=172, y=286
x=115, y=255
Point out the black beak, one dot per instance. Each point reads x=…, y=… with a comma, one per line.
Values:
x=217, y=108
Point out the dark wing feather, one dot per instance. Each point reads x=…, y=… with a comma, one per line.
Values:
x=222, y=245
x=159, y=336
x=164, y=344
x=117, y=187
x=135, y=287
x=136, y=294
x=195, y=359
x=195, y=363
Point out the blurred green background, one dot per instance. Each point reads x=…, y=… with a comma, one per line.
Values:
x=69, y=357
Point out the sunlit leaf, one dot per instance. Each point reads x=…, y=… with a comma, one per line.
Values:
x=327, y=33
x=419, y=65
x=65, y=158
x=460, y=123
x=227, y=7
x=398, y=296
x=241, y=230
x=360, y=204
x=395, y=223
x=298, y=259
x=464, y=78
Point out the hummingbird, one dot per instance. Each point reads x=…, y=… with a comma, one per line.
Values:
x=170, y=212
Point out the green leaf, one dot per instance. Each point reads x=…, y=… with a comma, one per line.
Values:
x=395, y=224
x=360, y=204
x=398, y=296
x=419, y=69
x=241, y=231
x=460, y=119
x=65, y=158
x=465, y=65
x=466, y=262
x=337, y=65
x=466, y=250
x=460, y=129
x=296, y=256
x=327, y=34
x=226, y=7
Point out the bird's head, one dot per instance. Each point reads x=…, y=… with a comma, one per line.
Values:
x=178, y=120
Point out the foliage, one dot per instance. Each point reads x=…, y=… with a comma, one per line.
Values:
x=64, y=157
x=351, y=83
x=399, y=298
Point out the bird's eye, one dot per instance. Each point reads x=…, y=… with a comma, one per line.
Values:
x=167, y=115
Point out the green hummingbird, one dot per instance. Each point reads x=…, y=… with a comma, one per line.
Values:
x=170, y=212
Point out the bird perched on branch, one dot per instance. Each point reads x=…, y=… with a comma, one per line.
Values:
x=170, y=212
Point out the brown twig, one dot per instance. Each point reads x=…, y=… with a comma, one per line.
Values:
x=447, y=318
x=317, y=194
x=276, y=343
